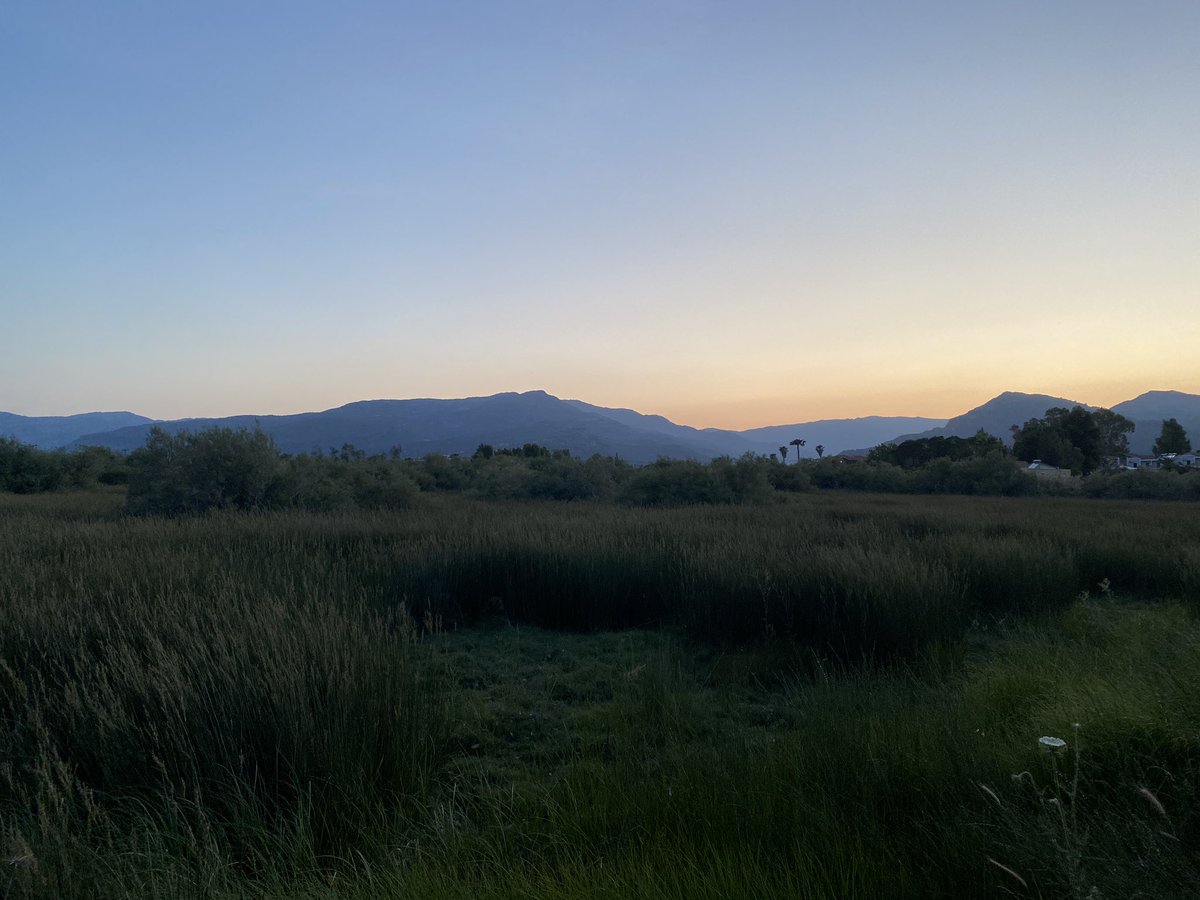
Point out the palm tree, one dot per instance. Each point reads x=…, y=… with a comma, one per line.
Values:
x=797, y=443
x=820, y=450
x=783, y=452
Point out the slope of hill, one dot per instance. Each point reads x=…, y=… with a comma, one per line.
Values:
x=834, y=434
x=711, y=442
x=52, y=432
x=1148, y=411
x=715, y=442
x=997, y=416
x=837, y=435
x=444, y=426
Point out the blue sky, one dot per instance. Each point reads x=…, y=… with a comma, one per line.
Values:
x=732, y=214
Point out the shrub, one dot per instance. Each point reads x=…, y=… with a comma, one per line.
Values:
x=1144, y=485
x=194, y=471
x=24, y=469
x=673, y=482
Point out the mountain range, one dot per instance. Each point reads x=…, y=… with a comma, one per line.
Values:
x=50, y=432
x=1147, y=412
x=423, y=426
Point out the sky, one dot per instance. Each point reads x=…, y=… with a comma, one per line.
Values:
x=732, y=214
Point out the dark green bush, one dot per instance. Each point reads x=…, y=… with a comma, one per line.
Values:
x=24, y=469
x=1164, y=484
x=344, y=481
x=216, y=468
x=674, y=482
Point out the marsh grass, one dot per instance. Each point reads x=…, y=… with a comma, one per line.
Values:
x=245, y=705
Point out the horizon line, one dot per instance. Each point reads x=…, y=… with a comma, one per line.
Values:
x=310, y=411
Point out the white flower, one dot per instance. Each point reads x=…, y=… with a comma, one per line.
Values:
x=1052, y=744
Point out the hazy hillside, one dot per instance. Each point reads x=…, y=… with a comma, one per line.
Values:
x=834, y=434
x=51, y=432
x=445, y=426
x=506, y=420
x=997, y=416
x=1148, y=410
x=837, y=435
x=711, y=442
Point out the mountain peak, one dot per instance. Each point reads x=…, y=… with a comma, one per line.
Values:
x=1162, y=395
x=1009, y=397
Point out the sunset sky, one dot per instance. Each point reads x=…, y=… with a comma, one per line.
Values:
x=732, y=214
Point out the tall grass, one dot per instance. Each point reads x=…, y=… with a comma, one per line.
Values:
x=249, y=704
x=145, y=671
x=851, y=575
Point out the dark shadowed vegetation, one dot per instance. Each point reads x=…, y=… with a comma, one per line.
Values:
x=825, y=696
x=1172, y=439
x=1077, y=439
x=918, y=452
x=28, y=470
x=218, y=468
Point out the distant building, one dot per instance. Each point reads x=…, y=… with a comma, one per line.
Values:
x=1045, y=470
x=1182, y=460
x=1141, y=462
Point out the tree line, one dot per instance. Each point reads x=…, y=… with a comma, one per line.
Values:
x=221, y=468
x=25, y=469
x=1087, y=440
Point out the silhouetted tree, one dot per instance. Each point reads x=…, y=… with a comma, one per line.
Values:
x=193, y=471
x=918, y=452
x=1070, y=439
x=1114, y=431
x=797, y=443
x=1172, y=439
x=820, y=450
x=783, y=451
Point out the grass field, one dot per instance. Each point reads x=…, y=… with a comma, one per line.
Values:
x=837, y=695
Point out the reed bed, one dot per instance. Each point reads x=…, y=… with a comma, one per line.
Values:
x=252, y=704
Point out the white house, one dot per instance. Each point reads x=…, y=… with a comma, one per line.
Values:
x=1183, y=460
x=1142, y=462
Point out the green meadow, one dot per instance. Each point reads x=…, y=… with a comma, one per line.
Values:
x=830, y=695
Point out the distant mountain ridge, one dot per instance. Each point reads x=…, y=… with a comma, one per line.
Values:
x=504, y=420
x=1147, y=412
x=832, y=434
x=836, y=434
x=421, y=426
x=998, y=415
x=51, y=432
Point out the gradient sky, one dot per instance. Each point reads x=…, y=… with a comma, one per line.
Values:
x=729, y=213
